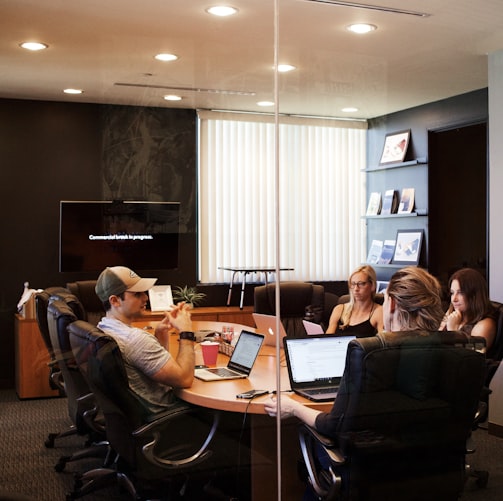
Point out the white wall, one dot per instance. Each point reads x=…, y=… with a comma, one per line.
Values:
x=495, y=176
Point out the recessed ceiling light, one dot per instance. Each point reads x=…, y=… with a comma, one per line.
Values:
x=265, y=103
x=33, y=46
x=349, y=109
x=361, y=28
x=166, y=57
x=283, y=68
x=73, y=91
x=222, y=10
x=172, y=97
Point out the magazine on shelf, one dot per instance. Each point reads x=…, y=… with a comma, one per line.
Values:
x=390, y=202
x=374, y=251
x=406, y=201
x=388, y=249
x=374, y=206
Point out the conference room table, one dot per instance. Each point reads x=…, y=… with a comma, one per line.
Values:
x=221, y=395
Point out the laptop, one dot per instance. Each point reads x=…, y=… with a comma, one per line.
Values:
x=312, y=329
x=316, y=364
x=266, y=325
x=241, y=362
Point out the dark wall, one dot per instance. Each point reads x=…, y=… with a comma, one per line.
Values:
x=464, y=109
x=51, y=151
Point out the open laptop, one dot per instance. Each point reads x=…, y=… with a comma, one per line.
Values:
x=241, y=362
x=316, y=364
x=312, y=328
x=266, y=325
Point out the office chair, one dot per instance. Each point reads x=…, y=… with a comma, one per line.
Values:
x=495, y=353
x=406, y=408
x=155, y=452
x=41, y=303
x=63, y=309
x=55, y=375
x=84, y=290
x=295, y=297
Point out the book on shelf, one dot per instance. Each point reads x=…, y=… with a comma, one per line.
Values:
x=406, y=201
x=388, y=249
x=390, y=202
x=374, y=206
x=374, y=251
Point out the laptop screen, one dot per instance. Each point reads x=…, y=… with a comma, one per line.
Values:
x=316, y=359
x=246, y=351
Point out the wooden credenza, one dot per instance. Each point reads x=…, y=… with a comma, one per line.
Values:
x=32, y=371
x=231, y=314
x=32, y=357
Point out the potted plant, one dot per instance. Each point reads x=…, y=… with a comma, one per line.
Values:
x=188, y=294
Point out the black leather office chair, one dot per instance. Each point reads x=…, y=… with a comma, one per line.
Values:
x=62, y=310
x=84, y=290
x=41, y=304
x=155, y=452
x=406, y=406
x=295, y=297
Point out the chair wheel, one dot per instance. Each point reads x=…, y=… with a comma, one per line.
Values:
x=59, y=466
x=49, y=442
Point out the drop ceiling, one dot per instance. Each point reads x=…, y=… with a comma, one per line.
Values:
x=107, y=49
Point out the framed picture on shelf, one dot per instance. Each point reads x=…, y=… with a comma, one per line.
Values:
x=381, y=287
x=408, y=247
x=395, y=147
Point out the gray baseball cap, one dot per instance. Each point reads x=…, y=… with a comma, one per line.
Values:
x=115, y=280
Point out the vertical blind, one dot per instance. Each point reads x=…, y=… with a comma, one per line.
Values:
x=321, y=195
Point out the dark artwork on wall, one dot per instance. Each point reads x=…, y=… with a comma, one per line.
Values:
x=149, y=154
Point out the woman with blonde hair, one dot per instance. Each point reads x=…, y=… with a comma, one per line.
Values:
x=361, y=316
x=412, y=301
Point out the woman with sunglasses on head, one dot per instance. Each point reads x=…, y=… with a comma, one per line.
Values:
x=361, y=316
x=470, y=309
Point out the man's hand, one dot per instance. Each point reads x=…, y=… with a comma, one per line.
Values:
x=179, y=317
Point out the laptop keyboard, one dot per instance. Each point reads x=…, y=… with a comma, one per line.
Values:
x=222, y=371
x=321, y=391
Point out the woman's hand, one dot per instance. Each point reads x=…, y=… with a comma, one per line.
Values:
x=453, y=321
x=290, y=408
x=287, y=406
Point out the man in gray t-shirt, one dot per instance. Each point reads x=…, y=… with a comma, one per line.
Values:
x=151, y=369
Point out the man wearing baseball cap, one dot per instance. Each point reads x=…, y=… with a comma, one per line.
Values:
x=152, y=371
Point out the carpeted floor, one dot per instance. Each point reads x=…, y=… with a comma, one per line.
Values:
x=27, y=466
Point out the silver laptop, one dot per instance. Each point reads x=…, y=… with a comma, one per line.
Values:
x=266, y=325
x=312, y=328
x=316, y=364
x=241, y=362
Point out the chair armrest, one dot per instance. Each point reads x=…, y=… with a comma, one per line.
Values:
x=155, y=428
x=323, y=478
x=56, y=379
x=89, y=410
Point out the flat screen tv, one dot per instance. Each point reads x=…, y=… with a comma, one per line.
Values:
x=140, y=235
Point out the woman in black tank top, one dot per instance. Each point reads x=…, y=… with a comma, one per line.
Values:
x=361, y=316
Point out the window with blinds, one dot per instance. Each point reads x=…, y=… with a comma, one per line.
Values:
x=314, y=176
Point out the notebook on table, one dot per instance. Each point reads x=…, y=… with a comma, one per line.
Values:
x=266, y=325
x=316, y=364
x=241, y=362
